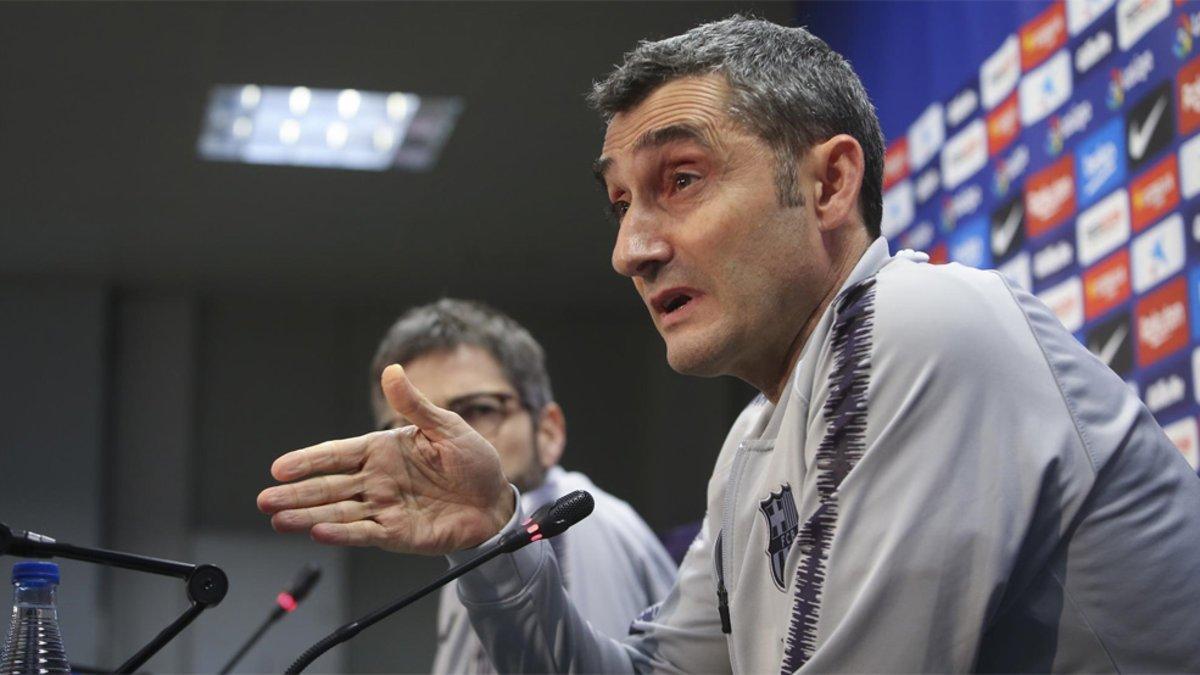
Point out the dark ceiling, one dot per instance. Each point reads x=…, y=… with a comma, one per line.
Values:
x=100, y=105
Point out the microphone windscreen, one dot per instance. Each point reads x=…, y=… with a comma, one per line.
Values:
x=568, y=510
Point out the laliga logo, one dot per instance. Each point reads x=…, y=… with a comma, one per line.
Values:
x=1137, y=72
x=1072, y=122
x=1009, y=169
x=1189, y=28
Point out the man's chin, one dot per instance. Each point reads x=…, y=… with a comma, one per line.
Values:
x=692, y=358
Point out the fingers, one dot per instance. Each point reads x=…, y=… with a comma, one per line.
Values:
x=407, y=400
x=327, y=457
x=298, y=520
x=358, y=533
x=311, y=492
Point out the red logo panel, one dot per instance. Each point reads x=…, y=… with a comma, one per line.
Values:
x=895, y=163
x=1162, y=323
x=1106, y=285
x=1043, y=35
x=939, y=255
x=1050, y=196
x=1187, y=96
x=1003, y=125
x=1153, y=194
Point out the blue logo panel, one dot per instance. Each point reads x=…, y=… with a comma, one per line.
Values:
x=1100, y=162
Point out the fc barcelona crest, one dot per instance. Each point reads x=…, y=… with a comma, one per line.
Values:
x=783, y=523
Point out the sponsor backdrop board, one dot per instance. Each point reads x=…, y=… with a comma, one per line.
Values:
x=1071, y=162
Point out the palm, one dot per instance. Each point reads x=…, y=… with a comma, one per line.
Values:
x=434, y=487
x=436, y=496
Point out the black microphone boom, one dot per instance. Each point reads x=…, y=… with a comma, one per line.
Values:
x=548, y=521
x=285, y=602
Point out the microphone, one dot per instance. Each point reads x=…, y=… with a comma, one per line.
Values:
x=549, y=521
x=285, y=602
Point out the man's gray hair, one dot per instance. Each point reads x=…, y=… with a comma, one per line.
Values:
x=447, y=324
x=789, y=88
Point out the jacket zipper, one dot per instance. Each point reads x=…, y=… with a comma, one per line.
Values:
x=735, y=475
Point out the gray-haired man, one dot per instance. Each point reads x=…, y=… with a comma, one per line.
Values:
x=937, y=476
x=482, y=365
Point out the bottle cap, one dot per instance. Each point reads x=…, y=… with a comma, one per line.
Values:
x=36, y=572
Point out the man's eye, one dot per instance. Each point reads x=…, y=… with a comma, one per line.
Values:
x=683, y=180
x=619, y=209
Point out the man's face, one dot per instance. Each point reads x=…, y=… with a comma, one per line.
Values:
x=727, y=273
x=469, y=381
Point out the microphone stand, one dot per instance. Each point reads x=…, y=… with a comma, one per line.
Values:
x=206, y=584
x=548, y=521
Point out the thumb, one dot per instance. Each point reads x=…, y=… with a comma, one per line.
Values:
x=406, y=399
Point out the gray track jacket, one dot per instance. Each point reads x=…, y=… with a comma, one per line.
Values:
x=611, y=564
x=949, y=482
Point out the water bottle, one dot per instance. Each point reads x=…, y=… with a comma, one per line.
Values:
x=34, y=644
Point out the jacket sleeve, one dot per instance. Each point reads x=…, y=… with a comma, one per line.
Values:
x=947, y=454
x=523, y=616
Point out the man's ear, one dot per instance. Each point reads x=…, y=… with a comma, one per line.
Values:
x=837, y=167
x=551, y=434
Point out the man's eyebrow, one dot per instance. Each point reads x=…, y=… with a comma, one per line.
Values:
x=653, y=139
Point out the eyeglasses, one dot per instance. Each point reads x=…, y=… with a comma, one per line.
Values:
x=484, y=411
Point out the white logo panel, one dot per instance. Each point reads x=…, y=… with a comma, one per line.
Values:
x=964, y=155
x=1045, y=88
x=1102, y=228
x=1158, y=253
x=1000, y=72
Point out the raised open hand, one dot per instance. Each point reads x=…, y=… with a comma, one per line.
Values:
x=432, y=487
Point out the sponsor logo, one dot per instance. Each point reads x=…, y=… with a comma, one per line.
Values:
x=1044, y=89
x=1050, y=196
x=1123, y=80
x=898, y=209
x=1017, y=271
x=919, y=237
x=1112, y=343
x=1149, y=126
x=961, y=107
x=1106, y=285
x=1162, y=323
x=1066, y=301
x=969, y=244
x=925, y=137
x=1061, y=128
x=939, y=255
x=1003, y=125
x=1187, y=96
x=783, y=524
x=1053, y=258
x=1165, y=392
x=1042, y=35
x=927, y=184
x=1189, y=167
x=1158, y=254
x=1102, y=228
x=1007, y=231
x=1186, y=31
x=1009, y=169
x=1154, y=193
x=1095, y=48
x=964, y=154
x=895, y=163
x=1184, y=435
x=1135, y=18
x=1100, y=161
x=960, y=206
x=1000, y=72
x=1081, y=13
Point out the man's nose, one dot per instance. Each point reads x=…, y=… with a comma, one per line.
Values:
x=641, y=247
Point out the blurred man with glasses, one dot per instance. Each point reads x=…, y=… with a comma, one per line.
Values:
x=482, y=365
